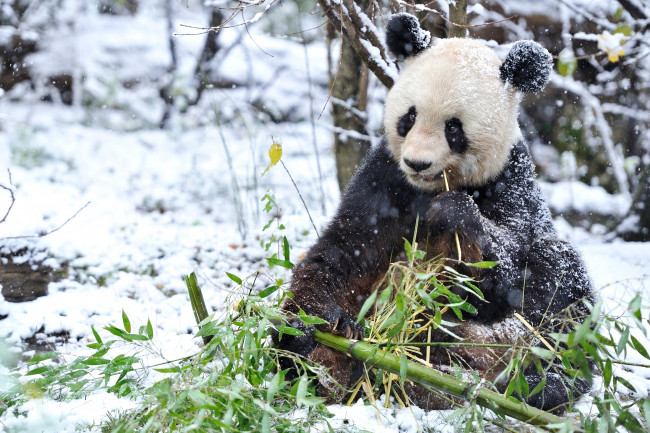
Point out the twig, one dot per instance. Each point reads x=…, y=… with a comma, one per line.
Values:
x=40, y=235
x=312, y=121
x=301, y=199
x=420, y=8
x=11, y=193
x=537, y=334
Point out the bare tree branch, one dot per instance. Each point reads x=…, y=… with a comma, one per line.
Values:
x=637, y=11
x=40, y=235
x=13, y=198
x=364, y=38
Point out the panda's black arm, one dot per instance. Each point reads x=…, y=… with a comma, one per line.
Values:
x=377, y=211
x=507, y=217
x=538, y=274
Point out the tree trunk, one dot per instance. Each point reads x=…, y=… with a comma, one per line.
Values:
x=349, y=101
x=636, y=226
x=457, y=15
x=202, y=72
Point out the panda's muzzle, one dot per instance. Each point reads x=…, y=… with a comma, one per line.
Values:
x=418, y=166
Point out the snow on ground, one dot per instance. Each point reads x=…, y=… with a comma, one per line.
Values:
x=151, y=206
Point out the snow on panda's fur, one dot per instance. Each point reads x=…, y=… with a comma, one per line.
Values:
x=453, y=108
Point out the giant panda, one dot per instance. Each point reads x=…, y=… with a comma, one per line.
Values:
x=453, y=108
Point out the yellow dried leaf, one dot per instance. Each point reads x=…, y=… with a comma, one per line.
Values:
x=275, y=153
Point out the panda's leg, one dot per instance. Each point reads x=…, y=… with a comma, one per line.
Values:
x=556, y=278
x=557, y=391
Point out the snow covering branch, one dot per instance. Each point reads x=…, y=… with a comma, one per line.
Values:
x=230, y=22
x=364, y=37
x=423, y=8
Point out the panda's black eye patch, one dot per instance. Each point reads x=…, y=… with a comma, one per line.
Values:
x=406, y=122
x=455, y=135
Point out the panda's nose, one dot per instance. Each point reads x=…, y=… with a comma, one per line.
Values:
x=417, y=166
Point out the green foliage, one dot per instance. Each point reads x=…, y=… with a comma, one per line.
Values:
x=232, y=384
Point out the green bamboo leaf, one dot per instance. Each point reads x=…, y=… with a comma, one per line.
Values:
x=646, y=411
x=622, y=342
x=277, y=262
x=266, y=422
x=95, y=361
x=424, y=296
x=627, y=384
x=290, y=330
x=399, y=302
x=96, y=334
x=607, y=373
x=639, y=347
x=149, y=329
x=385, y=294
x=115, y=331
x=42, y=357
x=126, y=321
x=577, y=336
x=397, y=329
x=234, y=278
x=311, y=320
x=274, y=386
x=285, y=249
x=168, y=370
x=138, y=337
x=539, y=387
x=268, y=291
x=595, y=312
x=635, y=306
x=482, y=265
x=366, y=306
x=583, y=364
x=627, y=420
x=38, y=370
x=542, y=353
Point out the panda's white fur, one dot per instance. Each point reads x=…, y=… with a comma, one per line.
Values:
x=454, y=78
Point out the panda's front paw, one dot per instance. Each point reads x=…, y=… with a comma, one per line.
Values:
x=301, y=344
x=342, y=324
x=454, y=212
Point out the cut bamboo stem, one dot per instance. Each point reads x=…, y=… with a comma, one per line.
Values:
x=197, y=301
x=443, y=382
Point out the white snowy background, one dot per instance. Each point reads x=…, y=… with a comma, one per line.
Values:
x=154, y=205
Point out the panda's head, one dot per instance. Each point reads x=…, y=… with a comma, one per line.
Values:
x=454, y=106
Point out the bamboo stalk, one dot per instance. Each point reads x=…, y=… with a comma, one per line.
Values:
x=443, y=382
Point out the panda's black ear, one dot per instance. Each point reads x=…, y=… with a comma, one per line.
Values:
x=404, y=37
x=527, y=66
